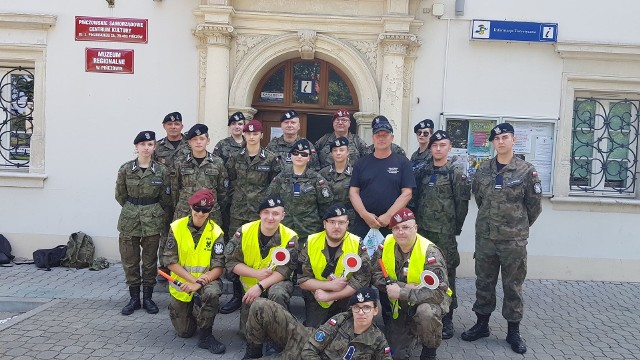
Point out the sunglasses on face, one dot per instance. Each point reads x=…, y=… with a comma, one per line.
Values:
x=299, y=153
x=202, y=209
x=423, y=133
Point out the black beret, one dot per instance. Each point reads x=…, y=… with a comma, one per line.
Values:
x=363, y=295
x=144, y=136
x=174, y=116
x=300, y=145
x=335, y=210
x=500, y=129
x=437, y=136
x=341, y=141
x=424, y=124
x=271, y=202
x=237, y=116
x=289, y=115
x=381, y=123
x=197, y=129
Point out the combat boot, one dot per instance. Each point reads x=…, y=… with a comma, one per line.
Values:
x=447, y=325
x=479, y=330
x=236, y=301
x=253, y=351
x=207, y=341
x=134, y=302
x=514, y=339
x=147, y=303
x=428, y=353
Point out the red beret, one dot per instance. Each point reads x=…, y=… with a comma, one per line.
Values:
x=341, y=113
x=401, y=216
x=252, y=126
x=203, y=197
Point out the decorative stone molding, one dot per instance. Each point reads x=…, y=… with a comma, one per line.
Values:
x=248, y=112
x=244, y=43
x=364, y=119
x=202, y=60
x=409, y=66
x=369, y=50
x=209, y=34
x=394, y=88
x=397, y=44
x=307, y=39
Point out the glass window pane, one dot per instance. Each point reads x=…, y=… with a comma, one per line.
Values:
x=580, y=170
x=582, y=144
x=306, y=82
x=339, y=93
x=584, y=113
x=273, y=89
x=616, y=174
x=618, y=145
x=619, y=115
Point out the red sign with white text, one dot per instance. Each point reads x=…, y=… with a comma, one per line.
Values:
x=109, y=60
x=111, y=29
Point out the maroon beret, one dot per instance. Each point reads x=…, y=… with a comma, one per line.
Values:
x=252, y=126
x=203, y=197
x=401, y=216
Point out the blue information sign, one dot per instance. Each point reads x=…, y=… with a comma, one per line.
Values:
x=514, y=31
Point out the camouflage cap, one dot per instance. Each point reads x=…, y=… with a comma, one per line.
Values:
x=99, y=264
x=144, y=136
x=363, y=295
x=401, y=216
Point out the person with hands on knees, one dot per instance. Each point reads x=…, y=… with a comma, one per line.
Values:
x=195, y=255
x=416, y=310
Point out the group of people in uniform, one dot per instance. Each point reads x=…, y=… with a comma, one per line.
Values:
x=298, y=213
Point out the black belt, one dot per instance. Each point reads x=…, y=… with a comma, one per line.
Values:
x=142, y=201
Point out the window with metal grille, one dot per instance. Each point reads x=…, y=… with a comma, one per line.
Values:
x=16, y=117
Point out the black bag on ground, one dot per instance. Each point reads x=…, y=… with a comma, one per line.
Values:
x=48, y=258
x=5, y=251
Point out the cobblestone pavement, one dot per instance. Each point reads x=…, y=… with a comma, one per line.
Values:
x=80, y=319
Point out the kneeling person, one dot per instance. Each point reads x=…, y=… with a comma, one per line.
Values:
x=327, y=289
x=348, y=335
x=194, y=254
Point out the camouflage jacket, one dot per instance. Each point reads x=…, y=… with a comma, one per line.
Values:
x=358, y=280
x=249, y=180
x=413, y=296
x=357, y=148
x=394, y=148
x=227, y=147
x=335, y=339
x=191, y=177
x=234, y=255
x=166, y=154
x=443, y=198
x=304, y=208
x=150, y=185
x=506, y=213
x=339, y=184
x=170, y=254
x=281, y=148
x=418, y=156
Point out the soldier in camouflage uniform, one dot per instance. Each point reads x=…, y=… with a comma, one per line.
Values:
x=443, y=194
x=143, y=189
x=290, y=124
x=306, y=193
x=199, y=170
x=348, y=335
x=195, y=256
x=341, y=122
x=248, y=254
x=416, y=312
x=508, y=193
x=327, y=289
x=423, y=130
x=338, y=174
x=169, y=148
x=234, y=143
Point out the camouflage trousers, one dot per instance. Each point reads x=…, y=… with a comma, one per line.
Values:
x=270, y=321
x=316, y=315
x=508, y=257
x=130, y=255
x=449, y=246
x=279, y=292
x=186, y=317
x=425, y=326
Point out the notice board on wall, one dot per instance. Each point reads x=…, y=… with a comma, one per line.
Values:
x=535, y=143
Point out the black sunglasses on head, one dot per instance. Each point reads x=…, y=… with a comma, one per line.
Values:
x=202, y=209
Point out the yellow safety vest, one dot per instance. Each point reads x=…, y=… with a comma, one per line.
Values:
x=316, y=243
x=251, y=249
x=196, y=260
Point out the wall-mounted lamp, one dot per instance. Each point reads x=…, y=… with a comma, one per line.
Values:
x=459, y=7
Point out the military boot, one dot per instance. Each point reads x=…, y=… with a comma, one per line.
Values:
x=514, y=339
x=447, y=325
x=479, y=330
x=236, y=301
x=134, y=302
x=253, y=351
x=207, y=341
x=428, y=353
x=147, y=303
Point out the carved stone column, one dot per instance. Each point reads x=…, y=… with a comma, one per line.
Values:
x=214, y=41
x=364, y=119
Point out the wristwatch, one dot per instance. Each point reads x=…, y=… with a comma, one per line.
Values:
x=261, y=287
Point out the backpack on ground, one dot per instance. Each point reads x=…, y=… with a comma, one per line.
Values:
x=80, y=251
x=5, y=251
x=48, y=258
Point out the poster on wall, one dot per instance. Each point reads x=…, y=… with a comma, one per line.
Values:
x=470, y=142
x=535, y=144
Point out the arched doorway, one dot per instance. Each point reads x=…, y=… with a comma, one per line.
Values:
x=314, y=88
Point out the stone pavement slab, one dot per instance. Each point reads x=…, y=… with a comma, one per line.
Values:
x=563, y=320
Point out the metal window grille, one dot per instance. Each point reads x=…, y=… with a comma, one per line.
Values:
x=16, y=120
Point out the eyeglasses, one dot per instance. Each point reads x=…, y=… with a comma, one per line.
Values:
x=342, y=120
x=423, y=133
x=202, y=209
x=365, y=309
x=337, y=222
x=299, y=153
x=404, y=228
